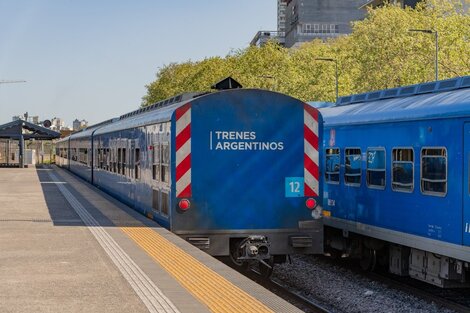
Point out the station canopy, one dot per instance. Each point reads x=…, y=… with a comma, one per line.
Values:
x=20, y=129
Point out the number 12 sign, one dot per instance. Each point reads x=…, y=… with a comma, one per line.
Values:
x=294, y=187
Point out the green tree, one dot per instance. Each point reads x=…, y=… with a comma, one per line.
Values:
x=380, y=53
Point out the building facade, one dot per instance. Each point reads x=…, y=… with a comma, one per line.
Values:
x=306, y=20
x=77, y=124
x=402, y=3
x=281, y=16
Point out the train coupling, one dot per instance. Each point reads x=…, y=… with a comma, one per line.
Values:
x=254, y=248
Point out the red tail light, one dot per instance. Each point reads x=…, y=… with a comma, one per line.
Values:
x=311, y=203
x=184, y=204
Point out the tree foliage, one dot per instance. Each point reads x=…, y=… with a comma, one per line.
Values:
x=380, y=53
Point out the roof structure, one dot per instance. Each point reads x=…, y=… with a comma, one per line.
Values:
x=441, y=99
x=26, y=130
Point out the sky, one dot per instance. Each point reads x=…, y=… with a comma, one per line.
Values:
x=91, y=59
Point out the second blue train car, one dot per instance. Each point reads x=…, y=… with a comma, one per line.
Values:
x=234, y=172
x=397, y=180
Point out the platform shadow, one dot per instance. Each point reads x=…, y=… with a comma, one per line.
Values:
x=63, y=214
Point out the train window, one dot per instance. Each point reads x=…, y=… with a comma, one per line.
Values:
x=107, y=159
x=155, y=200
x=402, y=169
x=352, y=171
x=376, y=168
x=103, y=158
x=123, y=168
x=83, y=156
x=434, y=171
x=165, y=203
x=332, y=165
x=137, y=164
x=119, y=153
x=155, y=161
x=97, y=158
x=114, y=160
x=165, y=162
x=89, y=160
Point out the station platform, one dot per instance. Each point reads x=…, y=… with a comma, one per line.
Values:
x=66, y=246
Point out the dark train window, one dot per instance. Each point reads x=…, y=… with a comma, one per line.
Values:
x=332, y=165
x=123, y=169
x=352, y=164
x=434, y=171
x=137, y=164
x=119, y=164
x=402, y=169
x=165, y=203
x=376, y=168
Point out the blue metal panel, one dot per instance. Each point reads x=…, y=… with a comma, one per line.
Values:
x=237, y=188
x=466, y=186
x=414, y=213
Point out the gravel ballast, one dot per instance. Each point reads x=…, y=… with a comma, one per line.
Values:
x=341, y=290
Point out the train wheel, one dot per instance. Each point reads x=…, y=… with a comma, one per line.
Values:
x=234, y=255
x=334, y=254
x=368, y=260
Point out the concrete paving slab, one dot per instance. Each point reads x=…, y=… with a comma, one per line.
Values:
x=49, y=268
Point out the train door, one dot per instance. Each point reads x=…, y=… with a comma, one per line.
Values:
x=466, y=188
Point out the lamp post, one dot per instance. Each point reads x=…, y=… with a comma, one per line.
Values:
x=430, y=31
x=336, y=71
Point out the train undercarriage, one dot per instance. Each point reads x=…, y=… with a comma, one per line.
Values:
x=438, y=270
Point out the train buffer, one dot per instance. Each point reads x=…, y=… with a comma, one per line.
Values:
x=65, y=246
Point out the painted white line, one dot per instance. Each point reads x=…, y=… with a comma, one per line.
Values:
x=144, y=287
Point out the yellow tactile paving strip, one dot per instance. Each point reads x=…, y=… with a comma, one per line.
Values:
x=207, y=286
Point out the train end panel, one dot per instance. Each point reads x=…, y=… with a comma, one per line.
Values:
x=247, y=162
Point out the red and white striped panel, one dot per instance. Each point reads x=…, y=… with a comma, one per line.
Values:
x=311, y=154
x=183, y=151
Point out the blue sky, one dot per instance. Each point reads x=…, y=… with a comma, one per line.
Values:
x=92, y=59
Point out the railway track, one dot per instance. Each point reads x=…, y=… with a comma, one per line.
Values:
x=295, y=298
x=457, y=300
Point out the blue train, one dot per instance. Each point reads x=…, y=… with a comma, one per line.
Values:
x=234, y=172
x=396, y=169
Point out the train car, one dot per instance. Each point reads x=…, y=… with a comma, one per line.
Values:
x=396, y=172
x=234, y=172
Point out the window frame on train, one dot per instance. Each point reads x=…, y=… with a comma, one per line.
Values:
x=165, y=166
x=353, y=184
x=329, y=175
x=395, y=184
x=370, y=170
x=424, y=180
x=156, y=156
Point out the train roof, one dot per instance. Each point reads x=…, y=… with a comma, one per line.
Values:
x=156, y=113
x=446, y=98
x=138, y=117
